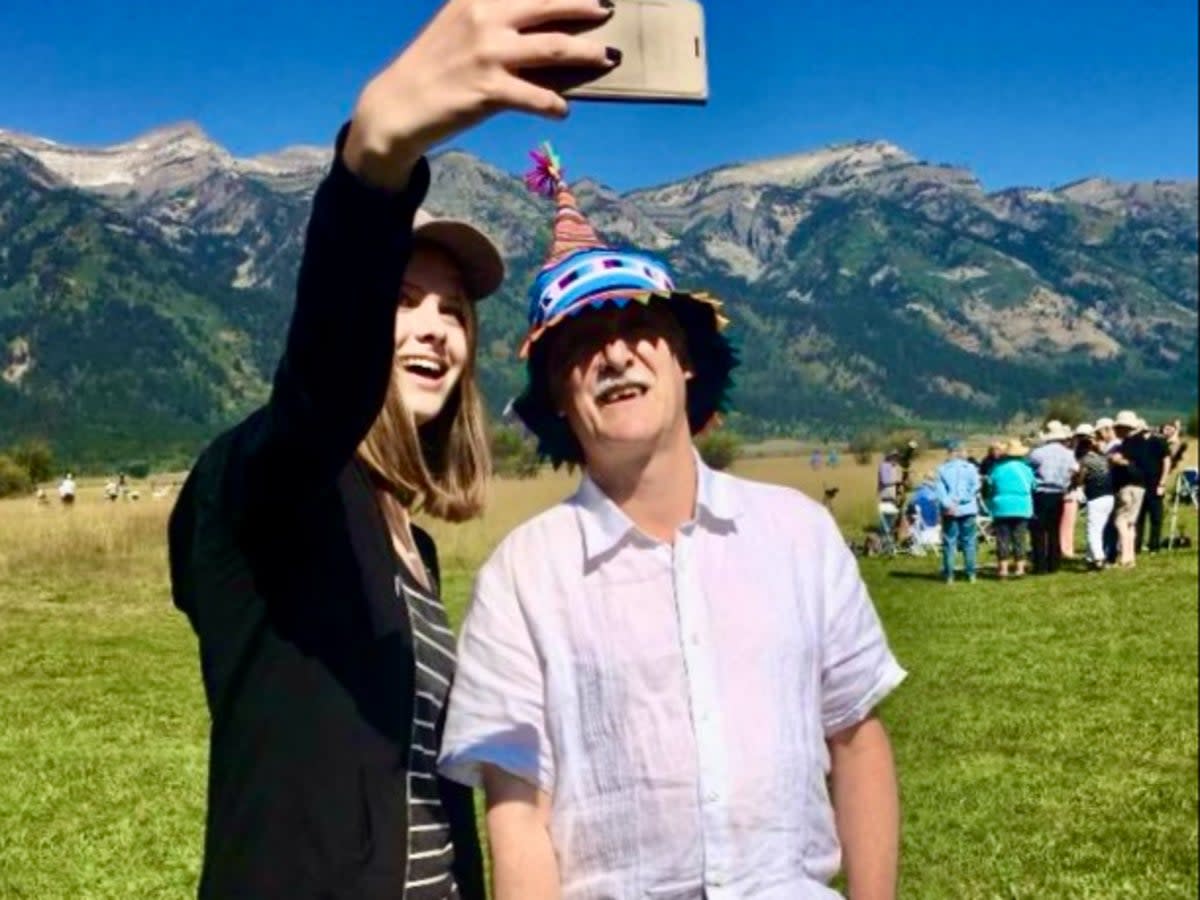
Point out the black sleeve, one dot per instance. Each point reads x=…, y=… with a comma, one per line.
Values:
x=429, y=555
x=337, y=362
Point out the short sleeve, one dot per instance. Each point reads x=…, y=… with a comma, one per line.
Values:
x=857, y=667
x=496, y=713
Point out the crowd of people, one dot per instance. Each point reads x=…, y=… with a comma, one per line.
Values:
x=1116, y=471
x=116, y=488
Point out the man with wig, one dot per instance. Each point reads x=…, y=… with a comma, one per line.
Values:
x=658, y=675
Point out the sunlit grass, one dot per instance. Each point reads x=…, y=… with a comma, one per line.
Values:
x=1046, y=738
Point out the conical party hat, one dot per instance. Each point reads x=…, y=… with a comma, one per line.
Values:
x=572, y=231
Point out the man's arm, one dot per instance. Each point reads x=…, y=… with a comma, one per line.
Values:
x=518, y=820
x=1161, y=487
x=866, y=807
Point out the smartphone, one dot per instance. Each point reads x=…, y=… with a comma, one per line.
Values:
x=664, y=59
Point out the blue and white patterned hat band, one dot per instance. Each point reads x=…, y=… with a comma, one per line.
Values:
x=587, y=276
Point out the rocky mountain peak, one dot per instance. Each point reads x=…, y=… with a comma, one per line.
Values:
x=1133, y=197
x=158, y=160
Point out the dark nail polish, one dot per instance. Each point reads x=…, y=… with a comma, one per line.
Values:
x=613, y=55
x=608, y=4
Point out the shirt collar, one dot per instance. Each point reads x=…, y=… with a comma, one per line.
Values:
x=605, y=526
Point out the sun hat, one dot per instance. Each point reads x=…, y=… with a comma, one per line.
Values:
x=1104, y=422
x=581, y=273
x=1127, y=418
x=477, y=256
x=1014, y=447
x=1084, y=429
x=1055, y=431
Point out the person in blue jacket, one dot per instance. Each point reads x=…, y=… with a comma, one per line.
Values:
x=957, y=484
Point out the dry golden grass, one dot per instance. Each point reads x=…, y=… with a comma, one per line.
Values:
x=1067, y=702
x=513, y=501
x=95, y=532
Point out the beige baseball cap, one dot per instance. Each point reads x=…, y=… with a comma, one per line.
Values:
x=476, y=254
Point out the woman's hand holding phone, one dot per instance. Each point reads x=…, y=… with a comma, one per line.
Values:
x=462, y=68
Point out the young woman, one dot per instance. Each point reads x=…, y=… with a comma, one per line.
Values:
x=324, y=646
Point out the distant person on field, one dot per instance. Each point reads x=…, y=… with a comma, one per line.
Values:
x=831, y=458
x=1054, y=466
x=1155, y=451
x=1106, y=441
x=1133, y=463
x=1073, y=498
x=325, y=647
x=906, y=457
x=667, y=681
x=1105, y=435
x=957, y=483
x=888, y=482
x=66, y=490
x=814, y=459
x=922, y=513
x=1008, y=490
x=1172, y=433
x=995, y=453
x=1095, y=480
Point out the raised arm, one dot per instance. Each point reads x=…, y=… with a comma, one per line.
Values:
x=462, y=68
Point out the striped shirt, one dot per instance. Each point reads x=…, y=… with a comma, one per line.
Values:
x=1097, y=475
x=430, y=851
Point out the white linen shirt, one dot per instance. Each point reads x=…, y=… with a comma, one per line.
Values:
x=674, y=700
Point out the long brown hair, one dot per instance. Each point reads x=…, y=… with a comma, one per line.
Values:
x=442, y=467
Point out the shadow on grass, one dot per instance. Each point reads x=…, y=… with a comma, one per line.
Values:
x=983, y=574
x=917, y=576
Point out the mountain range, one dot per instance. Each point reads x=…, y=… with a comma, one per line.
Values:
x=145, y=287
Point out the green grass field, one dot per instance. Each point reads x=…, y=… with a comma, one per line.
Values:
x=1046, y=738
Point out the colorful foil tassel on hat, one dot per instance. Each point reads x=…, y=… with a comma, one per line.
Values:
x=572, y=231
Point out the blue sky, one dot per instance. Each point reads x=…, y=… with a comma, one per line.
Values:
x=1029, y=93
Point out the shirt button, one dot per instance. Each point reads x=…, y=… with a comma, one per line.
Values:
x=712, y=797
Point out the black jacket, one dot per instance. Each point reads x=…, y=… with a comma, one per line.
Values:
x=282, y=561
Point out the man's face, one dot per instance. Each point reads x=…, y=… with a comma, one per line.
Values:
x=619, y=377
x=1123, y=431
x=431, y=332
